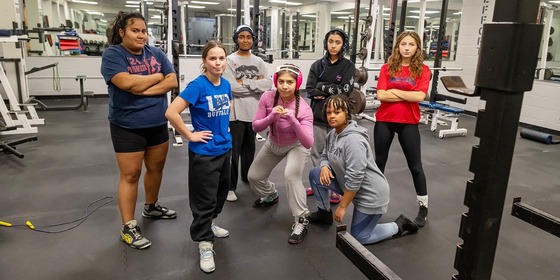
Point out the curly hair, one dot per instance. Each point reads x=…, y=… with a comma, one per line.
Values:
x=417, y=61
x=120, y=22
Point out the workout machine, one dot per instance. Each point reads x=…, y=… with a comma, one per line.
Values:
x=25, y=114
x=512, y=34
x=9, y=146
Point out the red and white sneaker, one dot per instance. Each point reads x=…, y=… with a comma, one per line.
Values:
x=334, y=198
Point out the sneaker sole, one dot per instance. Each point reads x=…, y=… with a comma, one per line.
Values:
x=138, y=247
x=294, y=241
x=164, y=217
x=266, y=204
x=208, y=271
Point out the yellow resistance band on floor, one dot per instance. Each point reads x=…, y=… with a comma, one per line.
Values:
x=77, y=221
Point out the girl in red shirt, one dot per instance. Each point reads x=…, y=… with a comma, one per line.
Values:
x=403, y=83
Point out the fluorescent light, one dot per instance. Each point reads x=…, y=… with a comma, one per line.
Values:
x=133, y=2
x=285, y=2
x=85, y=2
x=196, y=7
x=131, y=6
x=205, y=2
x=340, y=13
x=346, y=17
x=426, y=12
x=311, y=16
x=458, y=13
x=416, y=17
x=233, y=10
x=554, y=2
x=95, y=13
x=156, y=16
x=102, y=20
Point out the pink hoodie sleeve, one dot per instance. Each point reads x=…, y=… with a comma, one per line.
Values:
x=263, y=118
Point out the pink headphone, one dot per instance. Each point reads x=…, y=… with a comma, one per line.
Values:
x=291, y=68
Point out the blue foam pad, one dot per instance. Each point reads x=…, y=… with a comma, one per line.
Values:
x=442, y=107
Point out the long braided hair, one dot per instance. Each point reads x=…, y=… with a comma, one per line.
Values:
x=417, y=61
x=294, y=71
x=120, y=22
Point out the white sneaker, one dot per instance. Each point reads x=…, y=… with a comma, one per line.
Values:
x=219, y=232
x=231, y=196
x=206, y=256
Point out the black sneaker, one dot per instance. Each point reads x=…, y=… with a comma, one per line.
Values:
x=422, y=217
x=131, y=235
x=405, y=225
x=268, y=200
x=156, y=211
x=299, y=231
x=321, y=216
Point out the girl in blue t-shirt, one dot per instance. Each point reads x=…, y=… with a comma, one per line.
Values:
x=138, y=78
x=208, y=98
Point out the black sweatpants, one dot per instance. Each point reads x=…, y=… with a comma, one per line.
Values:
x=243, y=145
x=409, y=138
x=208, y=189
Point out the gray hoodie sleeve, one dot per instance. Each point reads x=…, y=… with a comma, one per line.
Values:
x=356, y=162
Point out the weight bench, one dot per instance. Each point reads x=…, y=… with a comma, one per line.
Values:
x=444, y=112
x=83, y=99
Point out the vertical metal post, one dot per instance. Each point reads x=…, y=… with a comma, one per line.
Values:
x=238, y=13
x=506, y=65
x=284, y=31
x=256, y=16
x=354, y=45
x=403, y=16
x=390, y=36
x=439, y=49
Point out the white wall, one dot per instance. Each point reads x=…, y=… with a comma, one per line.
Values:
x=41, y=83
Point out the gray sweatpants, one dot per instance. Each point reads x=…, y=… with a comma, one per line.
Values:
x=320, y=131
x=267, y=158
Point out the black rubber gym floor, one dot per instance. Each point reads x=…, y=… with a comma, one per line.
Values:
x=72, y=164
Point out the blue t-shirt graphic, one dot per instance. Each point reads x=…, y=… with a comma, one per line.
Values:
x=209, y=107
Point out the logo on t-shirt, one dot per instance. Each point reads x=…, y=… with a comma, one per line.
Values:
x=247, y=72
x=402, y=82
x=148, y=66
x=218, y=105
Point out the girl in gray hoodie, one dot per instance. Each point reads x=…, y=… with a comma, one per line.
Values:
x=348, y=168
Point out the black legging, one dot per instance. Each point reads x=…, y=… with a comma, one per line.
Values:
x=409, y=137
